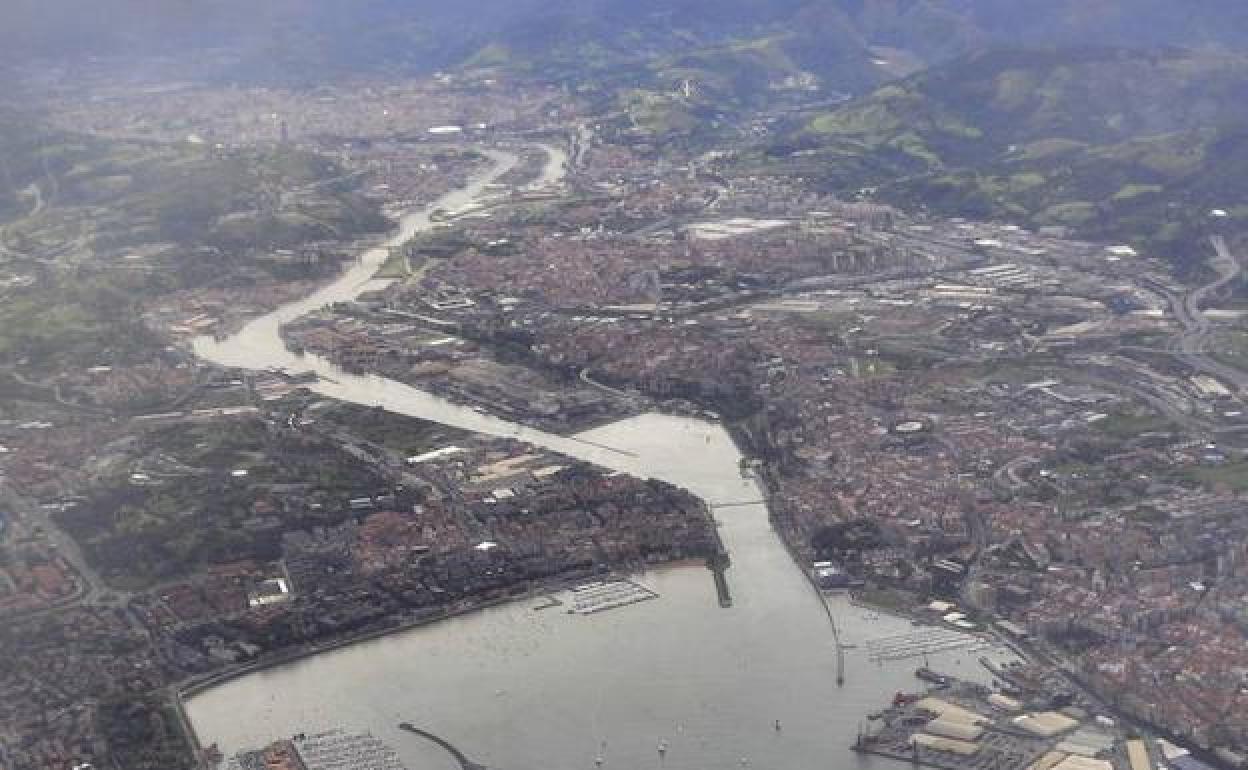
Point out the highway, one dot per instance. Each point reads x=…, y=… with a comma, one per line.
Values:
x=1192, y=345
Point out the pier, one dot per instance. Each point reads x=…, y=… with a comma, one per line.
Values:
x=718, y=565
x=601, y=596
x=464, y=762
x=922, y=642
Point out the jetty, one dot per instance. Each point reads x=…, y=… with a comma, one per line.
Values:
x=464, y=762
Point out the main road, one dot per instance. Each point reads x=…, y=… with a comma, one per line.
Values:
x=1192, y=345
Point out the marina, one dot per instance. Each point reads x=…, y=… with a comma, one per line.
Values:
x=920, y=642
x=601, y=596
x=330, y=750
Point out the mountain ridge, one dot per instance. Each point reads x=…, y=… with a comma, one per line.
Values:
x=310, y=38
x=1111, y=143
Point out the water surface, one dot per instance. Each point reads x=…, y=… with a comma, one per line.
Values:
x=523, y=689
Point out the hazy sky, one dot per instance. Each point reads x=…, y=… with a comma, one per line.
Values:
x=342, y=30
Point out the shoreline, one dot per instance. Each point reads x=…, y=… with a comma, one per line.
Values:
x=387, y=240
x=361, y=244
x=198, y=685
x=184, y=691
x=194, y=686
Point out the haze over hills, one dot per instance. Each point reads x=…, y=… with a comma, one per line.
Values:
x=297, y=38
x=1042, y=128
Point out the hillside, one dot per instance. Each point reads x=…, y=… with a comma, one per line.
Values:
x=76, y=210
x=1112, y=143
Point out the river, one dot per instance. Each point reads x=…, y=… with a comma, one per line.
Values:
x=521, y=689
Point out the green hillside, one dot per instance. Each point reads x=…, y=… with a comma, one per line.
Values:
x=71, y=207
x=1113, y=144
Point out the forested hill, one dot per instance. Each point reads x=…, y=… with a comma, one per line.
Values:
x=1111, y=143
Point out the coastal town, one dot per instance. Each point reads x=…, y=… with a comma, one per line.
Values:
x=999, y=431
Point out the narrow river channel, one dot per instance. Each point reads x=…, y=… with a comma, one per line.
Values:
x=523, y=689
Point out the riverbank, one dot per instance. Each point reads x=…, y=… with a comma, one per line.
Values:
x=518, y=687
x=525, y=688
x=189, y=689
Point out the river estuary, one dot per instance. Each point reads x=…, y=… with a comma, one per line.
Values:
x=521, y=689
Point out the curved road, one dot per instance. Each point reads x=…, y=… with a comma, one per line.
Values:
x=1192, y=344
